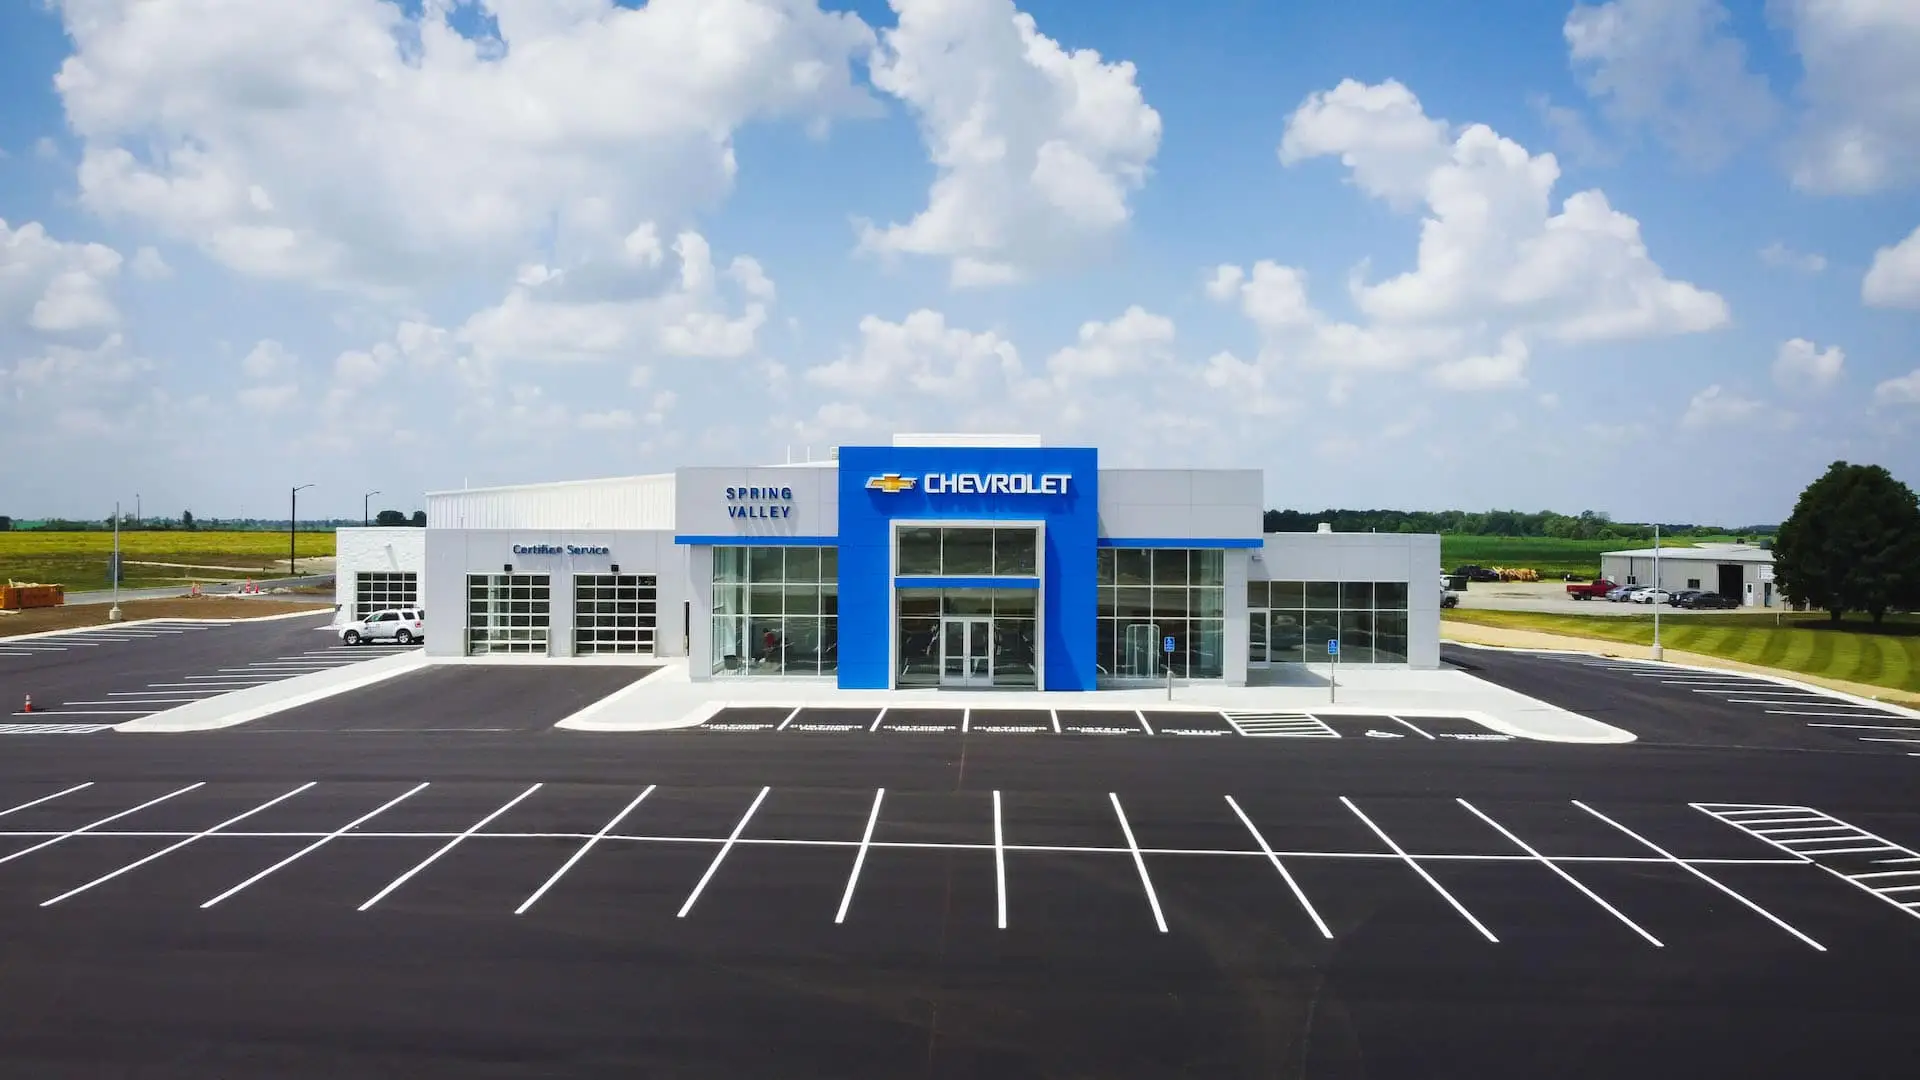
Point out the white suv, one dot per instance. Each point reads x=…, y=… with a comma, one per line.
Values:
x=403, y=626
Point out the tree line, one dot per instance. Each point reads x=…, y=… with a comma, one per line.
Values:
x=1586, y=525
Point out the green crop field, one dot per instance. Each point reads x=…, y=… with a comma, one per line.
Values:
x=1805, y=642
x=78, y=560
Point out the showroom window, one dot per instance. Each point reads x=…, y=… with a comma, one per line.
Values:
x=776, y=610
x=1147, y=594
x=967, y=551
x=613, y=613
x=383, y=590
x=508, y=613
x=1290, y=622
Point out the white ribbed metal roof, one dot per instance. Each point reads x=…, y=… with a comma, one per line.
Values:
x=622, y=502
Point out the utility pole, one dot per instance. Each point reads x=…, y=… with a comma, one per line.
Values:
x=366, y=520
x=137, y=518
x=293, y=529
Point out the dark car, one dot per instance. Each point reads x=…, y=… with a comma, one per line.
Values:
x=1714, y=600
x=1475, y=573
x=1684, y=598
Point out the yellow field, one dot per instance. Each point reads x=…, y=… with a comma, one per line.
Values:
x=78, y=560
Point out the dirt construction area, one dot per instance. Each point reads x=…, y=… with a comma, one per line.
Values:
x=37, y=620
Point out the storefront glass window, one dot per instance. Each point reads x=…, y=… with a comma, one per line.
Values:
x=966, y=552
x=1369, y=617
x=1015, y=552
x=1158, y=593
x=774, y=611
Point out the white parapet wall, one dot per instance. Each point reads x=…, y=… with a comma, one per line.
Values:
x=382, y=550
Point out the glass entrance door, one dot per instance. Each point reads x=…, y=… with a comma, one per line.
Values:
x=966, y=652
x=1257, y=637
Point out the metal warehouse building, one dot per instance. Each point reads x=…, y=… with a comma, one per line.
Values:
x=1741, y=571
x=935, y=561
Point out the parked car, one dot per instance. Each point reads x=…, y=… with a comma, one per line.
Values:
x=1650, y=596
x=402, y=626
x=1619, y=593
x=1589, y=590
x=1475, y=573
x=1713, y=600
x=1449, y=598
x=1683, y=598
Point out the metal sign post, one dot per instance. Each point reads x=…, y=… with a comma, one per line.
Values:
x=1333, y=669
x=1657, y=653
x=1166, y=646
x=113, y=613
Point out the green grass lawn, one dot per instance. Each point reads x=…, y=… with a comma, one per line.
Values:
x=1807, y=642
x=79, y=560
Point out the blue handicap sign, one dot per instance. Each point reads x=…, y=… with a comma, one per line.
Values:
x=1333, y=646
x=1166, y=644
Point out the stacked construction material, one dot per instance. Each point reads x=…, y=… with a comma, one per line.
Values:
x=17, y=595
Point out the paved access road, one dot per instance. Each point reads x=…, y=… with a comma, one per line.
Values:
x=108, y=675
x=1685, y=707
x=691, y=904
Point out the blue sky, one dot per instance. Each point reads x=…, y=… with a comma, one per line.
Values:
x=1655, y=257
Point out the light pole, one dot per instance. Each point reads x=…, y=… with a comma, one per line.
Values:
x=364, y=519
x=293, y=529
x=113, y=613
x=1656, y=587
x=137, y=519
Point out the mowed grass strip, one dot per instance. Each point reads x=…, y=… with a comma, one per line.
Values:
x=1804, y=642
x=78, y=560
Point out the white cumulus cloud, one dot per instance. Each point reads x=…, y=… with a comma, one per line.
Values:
x=919, y=353
x=1860, y=129
x=1037, y=148
x=1127, y=344
x=1801, y=365
x=1716, y=406
x=1894, y=279
x=1904, y=390
x=55, y=286
x=354, y=143
x=1673, y=67
x=1780, y=256
x=1504, y=368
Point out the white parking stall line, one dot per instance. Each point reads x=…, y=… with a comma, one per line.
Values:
x=1869, y=727
x=1409, y=726
x=97, y=824
x=1139, y=863
x=1871, y=738
x=1830, y=715
x=1148, y=728
x=85, y=712
x=136, y=701
x=789, y=719
x=1421, y=870
x=860, y=859
x=45, y=799
x=999, y=864
x=1568, y=878
x=320, y=843
x=211, y=688
x=190, y=691
x=1702, y=875
x=966, y=720
x=444, y=848
x=877, y=717
x=732, y=839
x=581, y=853
x=53, y=729
x=1054, y=715
x=1267, y=850
x=136, y=864
x=250, y=677
x=1812, y=701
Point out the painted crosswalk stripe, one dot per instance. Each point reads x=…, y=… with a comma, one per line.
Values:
x=1842, y=861
x=1286, y=725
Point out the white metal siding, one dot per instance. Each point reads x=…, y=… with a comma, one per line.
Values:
x=633, y=502
x=381, y=549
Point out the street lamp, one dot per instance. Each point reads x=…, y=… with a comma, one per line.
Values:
x=1657, y=653
x=137, y=519
x=364, y=519
x=293, y=528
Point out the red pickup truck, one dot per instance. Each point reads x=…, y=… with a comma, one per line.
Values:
x=1591, y=590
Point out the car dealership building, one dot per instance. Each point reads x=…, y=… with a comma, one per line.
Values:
x=975, y=561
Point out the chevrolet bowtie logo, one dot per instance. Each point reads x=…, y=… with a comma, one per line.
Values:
x=891, y=483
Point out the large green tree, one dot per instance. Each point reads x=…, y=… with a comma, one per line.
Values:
x=1852, y=544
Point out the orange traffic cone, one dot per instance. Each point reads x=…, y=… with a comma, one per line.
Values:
x=28, y=707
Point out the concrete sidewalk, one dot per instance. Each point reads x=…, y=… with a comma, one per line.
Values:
x=670, y=699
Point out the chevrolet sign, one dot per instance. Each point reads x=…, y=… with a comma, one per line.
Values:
x=973, y=483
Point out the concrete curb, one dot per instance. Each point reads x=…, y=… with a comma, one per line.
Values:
x=242, y=706
x=1777, y=680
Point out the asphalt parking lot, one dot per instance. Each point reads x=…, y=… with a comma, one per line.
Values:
x=460, y=698
x=1680, y=706
x=86, y=681
x=692, y=905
